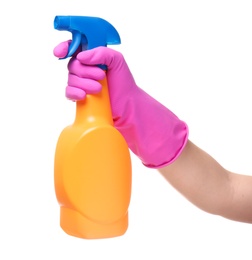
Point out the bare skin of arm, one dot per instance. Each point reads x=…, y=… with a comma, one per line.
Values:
x=209, y=186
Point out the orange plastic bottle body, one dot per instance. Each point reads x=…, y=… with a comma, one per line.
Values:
x=93, y=172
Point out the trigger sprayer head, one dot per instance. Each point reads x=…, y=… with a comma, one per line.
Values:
x=87, y=32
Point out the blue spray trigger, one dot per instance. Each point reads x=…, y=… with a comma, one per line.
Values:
x=76, y=42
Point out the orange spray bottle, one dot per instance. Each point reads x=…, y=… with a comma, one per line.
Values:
x=92, y=167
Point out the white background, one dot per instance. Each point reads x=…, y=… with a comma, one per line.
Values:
x=193, y=56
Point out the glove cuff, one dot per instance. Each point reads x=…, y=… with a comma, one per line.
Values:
x=153, y=133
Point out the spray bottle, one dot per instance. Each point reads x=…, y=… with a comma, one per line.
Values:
x=92, y=166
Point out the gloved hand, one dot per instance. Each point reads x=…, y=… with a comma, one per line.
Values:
x=154, y=133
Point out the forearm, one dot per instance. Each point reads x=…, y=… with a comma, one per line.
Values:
x=209, y=186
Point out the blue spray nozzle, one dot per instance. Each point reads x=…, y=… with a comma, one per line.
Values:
x=87, y=32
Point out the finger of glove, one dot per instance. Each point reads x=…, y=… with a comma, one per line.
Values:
x=84, y=71
x=61, y=50
x=90, y=86
x=75, y=94
x=100, y=55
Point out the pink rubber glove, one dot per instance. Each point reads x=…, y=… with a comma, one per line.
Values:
x=154, y=133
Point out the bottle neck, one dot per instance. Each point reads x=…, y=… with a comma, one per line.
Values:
x=95, y=106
